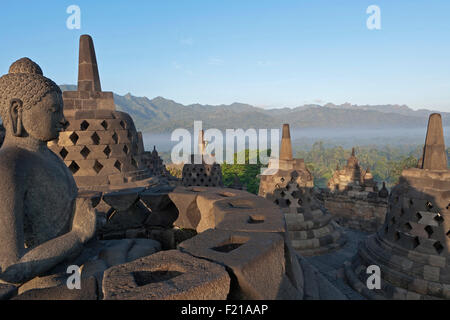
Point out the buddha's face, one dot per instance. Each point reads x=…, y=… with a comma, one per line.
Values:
x=45, y=120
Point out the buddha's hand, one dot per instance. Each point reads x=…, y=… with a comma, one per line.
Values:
x=85, y=219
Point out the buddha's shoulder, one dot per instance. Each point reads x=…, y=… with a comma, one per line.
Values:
x=14, y=159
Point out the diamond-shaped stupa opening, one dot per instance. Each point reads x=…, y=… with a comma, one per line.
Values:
x=118, y=165
x=85, y=152
x=408, y=227
x=63, y=153
x=95, y=138
x=115, y=138
x=74, y=138
x=416, y=242
x=429, y=231
x=97, y=166
x=107, y=151
x=84, y=125
x=419, y=216
x=134, y=163
x=439, y=218
x=104, y=124
x=74, y=167
x=439, y=247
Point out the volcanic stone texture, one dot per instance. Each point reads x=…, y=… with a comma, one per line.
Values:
x=138, y=213
x=253, y=259
x=167, y=275
x=203, y=208
x=240, y=232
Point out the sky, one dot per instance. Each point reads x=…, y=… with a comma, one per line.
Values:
x=266, y=53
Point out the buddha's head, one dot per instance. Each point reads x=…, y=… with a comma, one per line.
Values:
x=31, y=105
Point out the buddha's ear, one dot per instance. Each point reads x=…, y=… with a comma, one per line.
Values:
x=15, y=116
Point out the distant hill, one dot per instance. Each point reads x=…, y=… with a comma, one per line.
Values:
x=160, y=115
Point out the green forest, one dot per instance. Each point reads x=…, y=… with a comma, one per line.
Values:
x=386, y=164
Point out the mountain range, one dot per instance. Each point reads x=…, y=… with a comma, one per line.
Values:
x=160, y=115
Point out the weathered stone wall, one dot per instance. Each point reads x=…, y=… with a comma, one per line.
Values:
x=357, y=213
x=100, y=147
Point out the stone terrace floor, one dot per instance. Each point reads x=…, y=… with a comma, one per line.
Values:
x=330, y=265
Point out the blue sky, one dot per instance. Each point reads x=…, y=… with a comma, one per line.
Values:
x=267, y=53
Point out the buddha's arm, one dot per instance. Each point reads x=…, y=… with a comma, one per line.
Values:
x=18, y=264
x=41, y=258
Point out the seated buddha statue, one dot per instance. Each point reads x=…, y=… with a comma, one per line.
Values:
x=42, y=222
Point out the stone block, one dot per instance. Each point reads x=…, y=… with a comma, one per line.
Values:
x=131, y=218
x=118, y=150
x=70, y=95
x=90, y=104
x=255, y=259
x=106, y=103
x=164, y=217
x=167, y=275
x=122, y=200
x=156, y=198
x=188, y=212
x=84, y=114
x=248, y=213
x=164, y=236
x=85, y=181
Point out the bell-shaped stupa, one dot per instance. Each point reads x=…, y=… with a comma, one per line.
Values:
x=203, y=170
x=288, y=183
x=412, y=247
x=100, y=145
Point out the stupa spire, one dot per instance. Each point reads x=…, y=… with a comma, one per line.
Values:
x=88, y=77
x=286, y=145
x=201, y=142
x=434, y=156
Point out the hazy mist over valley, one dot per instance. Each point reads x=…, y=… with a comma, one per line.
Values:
x=347, y=138
x=344, y=125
